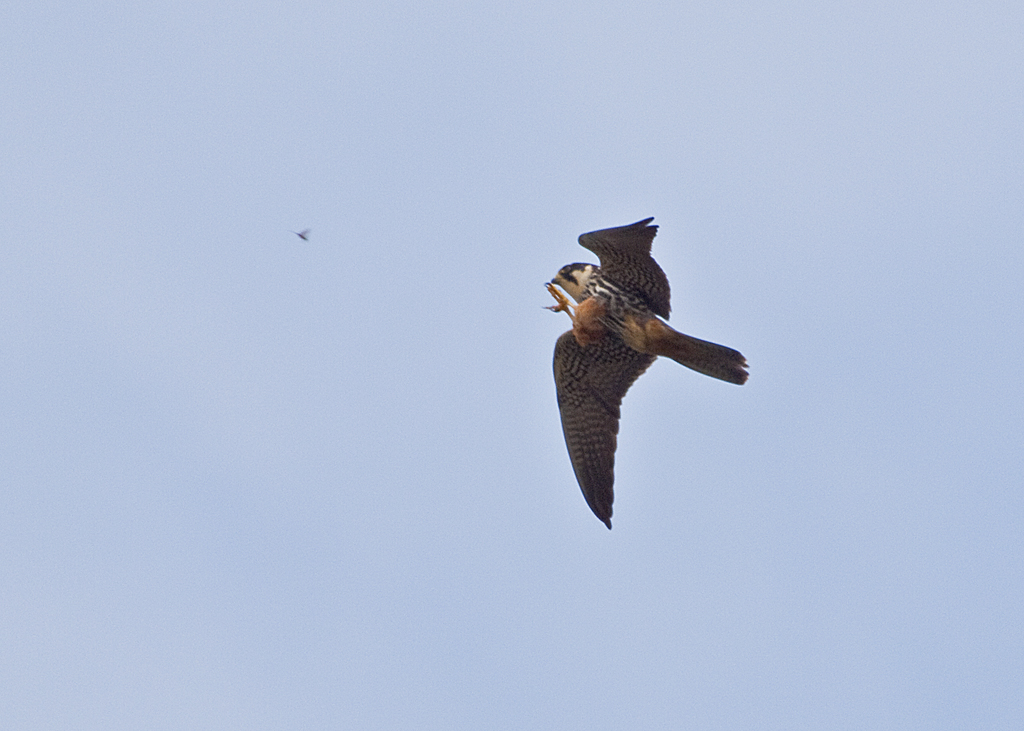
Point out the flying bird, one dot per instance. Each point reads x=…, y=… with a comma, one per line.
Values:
x=618, y=330
x=304, y=235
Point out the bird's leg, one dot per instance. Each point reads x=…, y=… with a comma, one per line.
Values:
x=563, y=302
x=588, y=321
x=586, y=316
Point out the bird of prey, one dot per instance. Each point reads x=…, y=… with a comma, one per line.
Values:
x=618, y=330
x=304, y=234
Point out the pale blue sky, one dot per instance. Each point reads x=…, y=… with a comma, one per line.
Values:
x=253, y=482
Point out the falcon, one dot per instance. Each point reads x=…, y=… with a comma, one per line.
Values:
x=303, y=234
x=618, y=330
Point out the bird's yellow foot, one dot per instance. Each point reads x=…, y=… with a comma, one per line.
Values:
x=563, y=302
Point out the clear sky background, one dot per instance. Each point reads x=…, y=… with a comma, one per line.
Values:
x=254, y=482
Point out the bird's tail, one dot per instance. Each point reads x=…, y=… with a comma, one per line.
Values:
x=654, y=337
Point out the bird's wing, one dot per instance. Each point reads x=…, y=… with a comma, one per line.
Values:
x=625, y=254
x=590, y=383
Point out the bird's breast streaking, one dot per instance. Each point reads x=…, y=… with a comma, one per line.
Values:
x=618, y=331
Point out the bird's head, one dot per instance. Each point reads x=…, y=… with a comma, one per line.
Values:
x=573, y=278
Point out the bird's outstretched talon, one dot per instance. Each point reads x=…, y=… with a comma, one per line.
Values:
x=563, y=302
